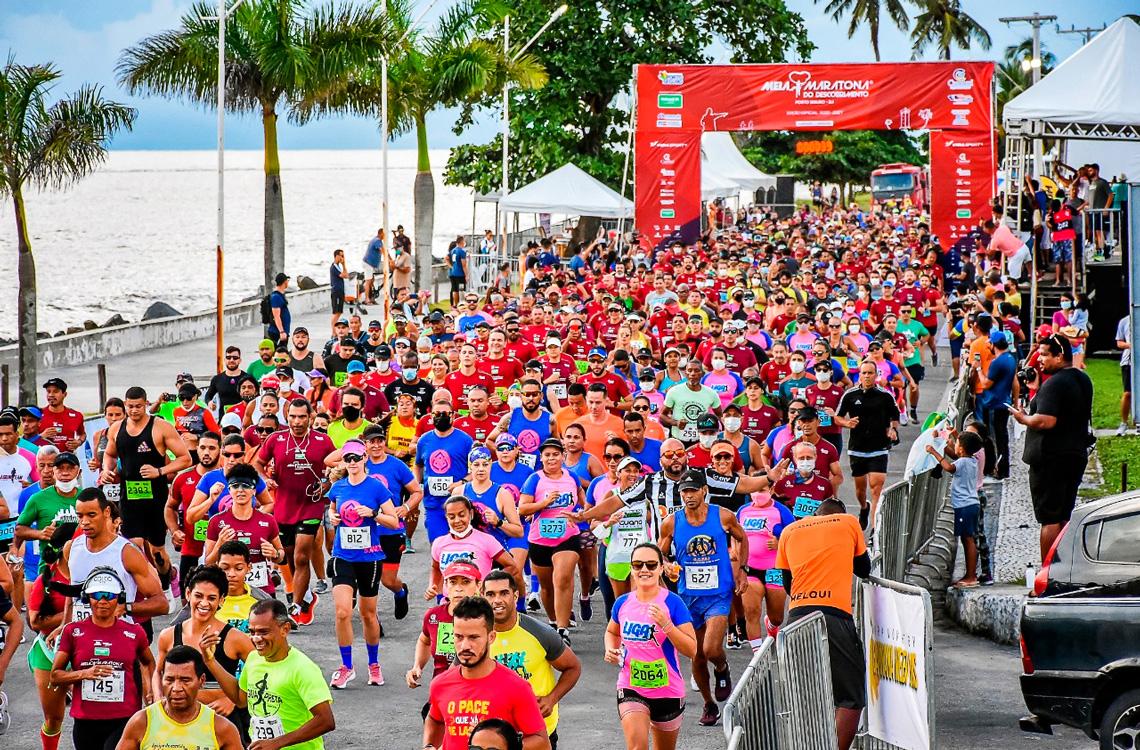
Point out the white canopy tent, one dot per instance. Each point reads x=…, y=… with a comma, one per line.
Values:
x=723, y=166
x=570, y=191
x=1095, y=93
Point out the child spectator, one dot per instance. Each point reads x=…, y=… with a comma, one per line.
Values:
x=964, y=498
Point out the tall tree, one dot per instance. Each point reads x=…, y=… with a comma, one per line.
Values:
x=944, y=24
x=48, y=146
x=277, y=52
x=583, y=115
x=868, y=12
x=456, y=62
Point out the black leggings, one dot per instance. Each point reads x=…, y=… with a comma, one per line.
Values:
x=98, y=734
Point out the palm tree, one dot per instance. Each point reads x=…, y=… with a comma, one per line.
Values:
x=1013, y=77
x=276, y=54
x=456, y=63
x=945, y=24
x=48, y=146
x=869, y=12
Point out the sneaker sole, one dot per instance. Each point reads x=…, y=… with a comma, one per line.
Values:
x=342, y=687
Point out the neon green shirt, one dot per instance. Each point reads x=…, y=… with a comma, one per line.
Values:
x=282, y=694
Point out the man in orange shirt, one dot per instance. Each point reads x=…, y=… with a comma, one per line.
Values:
x=599, y=422
x=818, y=556
x=981, y=351
x=575, y=407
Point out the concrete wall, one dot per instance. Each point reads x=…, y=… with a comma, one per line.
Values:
x=104, y=343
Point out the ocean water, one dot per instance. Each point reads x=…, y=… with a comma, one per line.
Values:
x=142, y=228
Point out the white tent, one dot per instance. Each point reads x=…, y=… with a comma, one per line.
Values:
x=722, y=165
x=1097, y=86
x=570, y=191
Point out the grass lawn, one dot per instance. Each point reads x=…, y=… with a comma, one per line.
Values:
x=1113, y=453
x=1105, y=375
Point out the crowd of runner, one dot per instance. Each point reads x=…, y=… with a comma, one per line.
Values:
x=662, y=434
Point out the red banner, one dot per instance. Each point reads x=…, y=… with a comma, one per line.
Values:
x=676, y=103
x=857, y=96
x=962, y=183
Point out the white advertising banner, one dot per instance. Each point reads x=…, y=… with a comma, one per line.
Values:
x=894, y=626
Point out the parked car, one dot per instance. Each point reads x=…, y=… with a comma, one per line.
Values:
x=1079, y=650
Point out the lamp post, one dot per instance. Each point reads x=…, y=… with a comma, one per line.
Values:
x=510, y=59
x=219, y=256
x=384, y=158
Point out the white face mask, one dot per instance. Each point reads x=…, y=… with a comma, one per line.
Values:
x=706, y=441
x=383, y=365
x=796, y=366
x=514, y=402
x=823, y=377
x=682, y=362
x=805, y=466
x=854, y=329
x=722, y=272
x=647, y=385
x=798, y=432
x=749, y=302
x=719, y=364
x=67, y=486
x=463, y=534
x=732, y=424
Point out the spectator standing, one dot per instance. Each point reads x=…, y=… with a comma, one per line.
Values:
x=279, y=321
x=457, y=273
x=1057, y=444
x=372, y=259
x=338, y=272
x=1124, y=344
x=999, y=391
x=964, y=498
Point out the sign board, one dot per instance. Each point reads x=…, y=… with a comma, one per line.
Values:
x=894, y=642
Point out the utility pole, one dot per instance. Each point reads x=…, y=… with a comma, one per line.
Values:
x=1035, y=22
x=1086, y=33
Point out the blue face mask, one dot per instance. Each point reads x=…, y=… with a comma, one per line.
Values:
x=1066, y=304
x=409, y=374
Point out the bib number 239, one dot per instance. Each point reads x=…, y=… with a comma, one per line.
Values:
x=265, y=727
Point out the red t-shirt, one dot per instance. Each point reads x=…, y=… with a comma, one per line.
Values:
x=458, y=384
x=375, y=402
x=739, y=358
x=182, y=489
x=757, y=423
x=298, y=466
x=825, y=455
x=478, y=429
x=821, y=398
x=459, y=704
x=881, y=307
x=773, y=373
x=503, y=372
x=70, y=426
x=616, y=387
x=259, y=527
x=699, y=458
x=522, y=350
x=564, y=368
x=120, y=646
x=816, y=488
x=437, y=622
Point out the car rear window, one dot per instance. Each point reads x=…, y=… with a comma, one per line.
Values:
x=1115, y=540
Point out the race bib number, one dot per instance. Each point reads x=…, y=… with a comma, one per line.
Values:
x=265, y=727
x=804, y=507
x=852, y=363
x=689, y=433
x=558, y=390
x=627, y=541
x=528, y=460
x=774, y=576
x=200, y=530
x=648, y=674
x=109, y=689
x=551, y=528
x=702, y=578
x=80, y=611
x=339, y=378
x=824, y=419
x=113, y=492
x=139, y=489
x=355, y=537
x=439, y=486
x=445, y=639
x=258, y=575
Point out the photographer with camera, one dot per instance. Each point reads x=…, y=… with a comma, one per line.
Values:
x=999, y=393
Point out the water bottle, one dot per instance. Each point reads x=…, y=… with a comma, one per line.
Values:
x=1030, y=574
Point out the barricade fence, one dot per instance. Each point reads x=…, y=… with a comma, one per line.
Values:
x=783, y=701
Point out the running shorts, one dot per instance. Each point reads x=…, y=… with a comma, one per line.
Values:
x=393, y=548
x=543, y=556
x=144, y=519
x=664, y=713
x=707, y=606
x=861, y=466
x=290, y=531
x=917, y=372
x=363, y=577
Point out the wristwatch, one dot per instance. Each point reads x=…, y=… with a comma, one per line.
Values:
x=129, y=608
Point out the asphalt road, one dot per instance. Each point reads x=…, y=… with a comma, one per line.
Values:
x=977, y=696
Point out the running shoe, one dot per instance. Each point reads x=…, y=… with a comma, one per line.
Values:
x=375, y=676
x=175, y=584
x=342, y=676
x=1121, y=429
x=864, y=516
x=564, y=634
x=573, y=622
x=322, y=586
x=305, y=615
x=595, y=587
x=401, y=598
x=532, y=602
x=914, y=415
x=711, y=715
x=723, y=684
x=693, y=684
x=408, y=548
x=5, y=717
x=587, y=609
x=934, y=358
x=732, y=641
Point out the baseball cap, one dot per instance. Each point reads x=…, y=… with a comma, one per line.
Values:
x=693, y=479
x=348, y=341
x=355, y=366
x=266, y=344
x=341, y=321
x=462, y=569
x=229, y=419
x=628, y=461
x=183, y=377
x=482, y=324
x=435, y=317
x=552, y=341
x=280, y=278
x=551, y=442
x=284, y=372
x=352, y=446
x=375, y=324
x=66, y=457
x=103, y=581
x=506, y=440
x=55, y=383
x=996, y=336
x=707, y=422
x=301, y=329
x=479, y=453
x=383, y=351
x=596, y=352
x=270, y=381
x=34, y=411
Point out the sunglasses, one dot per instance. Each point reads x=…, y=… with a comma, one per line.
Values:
x=352, y=458
x=102, y=596
x=673, y=454
x=234, y=454
x=722, y=457
x=241, y=485
x=231, y=357
x=264, y=430
x=641, y=408
x=645, y=565
x=615, y=456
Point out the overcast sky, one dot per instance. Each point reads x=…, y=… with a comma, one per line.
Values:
x=85, y=37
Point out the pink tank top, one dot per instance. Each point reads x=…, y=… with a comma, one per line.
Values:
x=549, y=527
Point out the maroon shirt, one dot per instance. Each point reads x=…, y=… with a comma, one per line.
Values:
x=789, y=490
x=442, y=654
x=825, y=454
x=822, y=398
x=119, y=646
x=757, y=423
x=298, y=466
x=616, y=387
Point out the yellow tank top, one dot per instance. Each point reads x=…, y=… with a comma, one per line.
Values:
x=400, y=435
x=164, y=733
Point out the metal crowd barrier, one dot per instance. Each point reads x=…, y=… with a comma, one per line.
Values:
x=783, y=701
x=1106, y=221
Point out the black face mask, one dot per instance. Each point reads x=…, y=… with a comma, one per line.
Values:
x=350, y=413
x=442, y=421
x=321, y=430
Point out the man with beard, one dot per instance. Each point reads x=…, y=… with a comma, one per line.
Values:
x=616, y=387
x=481, y=688
x=301, y=357
x=190, y=536
x=226, y=385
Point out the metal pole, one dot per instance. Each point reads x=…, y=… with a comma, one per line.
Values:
x=219, y=256
x=5, y=376
x=384, y=189
x=1035, y=22
x=625, y=166
x=504, y=188
x=1133, y=289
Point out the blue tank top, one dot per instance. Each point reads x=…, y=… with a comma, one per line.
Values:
x=581, y=470
x=668, y=382
x=530, y=434
x=702, y=551
x=488, y=499
x=745, y=452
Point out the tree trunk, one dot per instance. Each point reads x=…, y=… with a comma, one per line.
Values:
x=26, y=304
x=586, y=230
x=423, y=196
x=274, y=232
